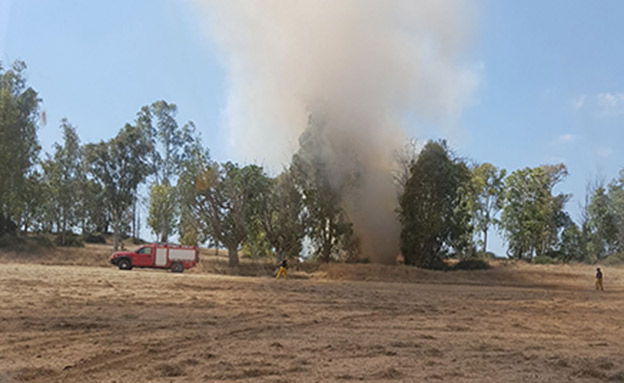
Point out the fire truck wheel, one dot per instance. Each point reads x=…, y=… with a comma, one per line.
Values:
x=177, y=267
x=125, y=264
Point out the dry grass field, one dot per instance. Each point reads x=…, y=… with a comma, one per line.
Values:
x=341, y=323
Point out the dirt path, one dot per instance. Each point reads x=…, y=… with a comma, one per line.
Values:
x=89, y=324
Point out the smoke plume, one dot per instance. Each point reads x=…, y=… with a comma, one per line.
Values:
x=365, y=66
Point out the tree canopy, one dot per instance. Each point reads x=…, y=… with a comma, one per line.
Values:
x=431, y=211
x=19, y=147
x=446, y=205
x=120, y=165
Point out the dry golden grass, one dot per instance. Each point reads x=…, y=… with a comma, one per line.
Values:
x=89, y=255
x=513, y=323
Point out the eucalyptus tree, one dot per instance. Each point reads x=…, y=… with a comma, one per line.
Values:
x=172, y=144
x=228, y=199
x=195, y=161
x=488, y=186
x=327, y=224
x=120, y=166
x=404, y=159
x=433, y=217
x=603, y=224
x=282, y=218
x=572, y=246
x=533, y=216
x=19, y=148
x=36, y=199
x=616, y=197
x=63, y=173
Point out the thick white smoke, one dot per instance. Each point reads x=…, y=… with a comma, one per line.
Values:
x=363, y=64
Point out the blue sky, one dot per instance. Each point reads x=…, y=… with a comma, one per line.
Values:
x=551, y=73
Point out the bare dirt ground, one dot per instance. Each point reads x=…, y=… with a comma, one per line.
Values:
x=515, y=323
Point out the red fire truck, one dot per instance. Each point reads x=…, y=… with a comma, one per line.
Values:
x=158, y=255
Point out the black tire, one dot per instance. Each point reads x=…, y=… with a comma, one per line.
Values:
x=177, y=267
x=124, y=264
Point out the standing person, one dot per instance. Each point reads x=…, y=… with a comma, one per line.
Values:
x=282, y=269
x=599, y=280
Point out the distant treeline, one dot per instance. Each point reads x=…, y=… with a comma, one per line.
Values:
x=446, y=206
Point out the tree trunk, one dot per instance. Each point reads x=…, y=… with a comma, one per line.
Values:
x=116, y=226
x=63, y=231
x=233, y=256
x=138, y=225
x=485, y=232
x=116, y=240
x=164, y=235
x=326, y=254
x=134, y=223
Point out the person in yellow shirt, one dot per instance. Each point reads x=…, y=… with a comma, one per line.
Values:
x=282, y=269
x=599, y=280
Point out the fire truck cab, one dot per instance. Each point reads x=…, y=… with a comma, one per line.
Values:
x=159, y=256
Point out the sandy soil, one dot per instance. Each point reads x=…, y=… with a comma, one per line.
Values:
x=64, y=323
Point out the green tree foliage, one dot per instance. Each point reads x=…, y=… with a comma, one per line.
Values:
x=461, y=240
x=167, y=138
x=64, y=174
x=35, y=199
x=432, y=209
x=95, y=188
x=227, y=203
x=96, y=217
x=602, y=225
x=324, y=180
x=616, y=198
x=163, y=209
x=172, y=145
x=19, y=111
x=191, y=167
x=120, y=165
x=533, y=216
x=488, y=186
x=328, y=224
x=282, y=218
x=572, y=247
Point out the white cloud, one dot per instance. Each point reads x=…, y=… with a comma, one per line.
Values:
x=601, y=104
x=611, y=103
x=604, y=152
x=565, y=138
x=609, y=99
